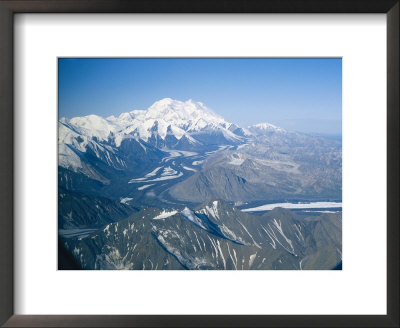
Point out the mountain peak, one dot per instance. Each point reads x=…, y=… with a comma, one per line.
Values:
x=164, y=101
x=265, y=127
x=182, y=112
x=168, y=116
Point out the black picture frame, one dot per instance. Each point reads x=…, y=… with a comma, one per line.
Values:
x=10, y=7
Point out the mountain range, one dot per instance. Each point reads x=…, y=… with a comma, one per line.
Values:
x=141, y=190
x=214, y=235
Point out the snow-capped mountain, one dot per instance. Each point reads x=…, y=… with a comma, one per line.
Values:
x=166, y=117
x=264, y=128
x=211, y=156
x=168, y=123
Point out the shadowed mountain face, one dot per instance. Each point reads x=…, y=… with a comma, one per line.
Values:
x=213, y=236
x=81, y=211
x=135, y=191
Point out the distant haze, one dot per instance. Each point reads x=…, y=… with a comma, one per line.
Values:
x=296, y=94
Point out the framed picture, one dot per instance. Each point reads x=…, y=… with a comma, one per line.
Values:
x=178, y=186
x=192, y=155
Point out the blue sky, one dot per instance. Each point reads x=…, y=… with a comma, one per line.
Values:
x=297, y=94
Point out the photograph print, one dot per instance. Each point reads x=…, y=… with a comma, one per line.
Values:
x=199, y=164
